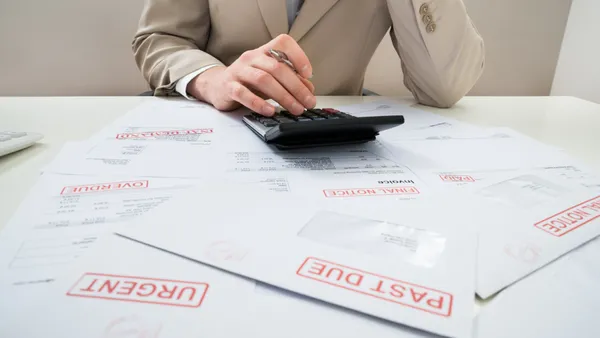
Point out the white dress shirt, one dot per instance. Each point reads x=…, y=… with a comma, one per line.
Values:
x=293, y=6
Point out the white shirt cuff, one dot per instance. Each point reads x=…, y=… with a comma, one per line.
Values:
x=181, y=86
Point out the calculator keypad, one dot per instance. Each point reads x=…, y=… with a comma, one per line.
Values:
x=308, y=115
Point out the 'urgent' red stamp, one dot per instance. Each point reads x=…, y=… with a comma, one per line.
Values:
x=385, y=288
x=140, y=290
x=97, y=187
x=568, y=220
x=355, y=192
x=163, y=133
x=457, y=178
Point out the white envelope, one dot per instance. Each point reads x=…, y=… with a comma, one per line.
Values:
x=559, y=300
x=578, y=175
x=406, y=263
x=128, y=289
x=527, y=219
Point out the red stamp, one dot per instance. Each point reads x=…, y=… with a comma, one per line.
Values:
x=79, y=189
x=457, y=178
x=140, y=290
x=568, y=220
x=355, y=192
x=385, y=288
x=154, y=134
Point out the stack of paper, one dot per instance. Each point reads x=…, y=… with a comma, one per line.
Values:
x=176, y=221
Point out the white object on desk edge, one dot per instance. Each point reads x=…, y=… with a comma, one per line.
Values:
x=12, y=140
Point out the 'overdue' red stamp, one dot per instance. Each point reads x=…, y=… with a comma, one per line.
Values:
x=354, y=192
x=566, y=221
x=140, y=290
x=457, y=178
x=96, y=187
x=385, y=288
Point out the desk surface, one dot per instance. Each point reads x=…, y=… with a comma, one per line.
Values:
x=566, y=122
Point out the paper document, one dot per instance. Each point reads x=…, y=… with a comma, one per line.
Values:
x=526, y=220
x=130, y=289
x=560, y=300
x=407, y=264
x=488, y=149
x=341, y=174
x=185, y=156
x=576, y=176
x=62, y=219
x=165, y=114
x=414, y=118
x=360, y=186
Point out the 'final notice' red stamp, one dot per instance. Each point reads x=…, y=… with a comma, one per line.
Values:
x=566, y=221
x=356, y=192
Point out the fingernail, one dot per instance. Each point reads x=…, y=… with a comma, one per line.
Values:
x=297, y=109
x=310, y=101
x=305, y=70
x=268, y=110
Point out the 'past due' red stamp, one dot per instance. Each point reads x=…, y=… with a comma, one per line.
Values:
x=385, y=288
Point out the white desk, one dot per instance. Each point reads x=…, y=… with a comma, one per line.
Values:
x=566, y=122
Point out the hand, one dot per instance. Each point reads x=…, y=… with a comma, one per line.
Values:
x=255, y=76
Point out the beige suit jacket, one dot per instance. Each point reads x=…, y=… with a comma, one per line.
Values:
x=441, y=52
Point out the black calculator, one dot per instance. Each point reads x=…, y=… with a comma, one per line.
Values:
x=318, y=127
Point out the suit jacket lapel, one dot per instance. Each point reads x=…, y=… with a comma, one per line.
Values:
x=310, y=13
x=274, y=13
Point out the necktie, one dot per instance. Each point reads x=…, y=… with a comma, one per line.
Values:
x=293, y=7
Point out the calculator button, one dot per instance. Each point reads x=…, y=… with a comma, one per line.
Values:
x=282, y=119
x=310, y=114
x=269, y=123
x=331, y=110
x=344, y=115
x=287, y=114
x=320, y=112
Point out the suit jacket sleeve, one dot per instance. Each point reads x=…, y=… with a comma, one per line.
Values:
x=171, y=41
x=442, y=53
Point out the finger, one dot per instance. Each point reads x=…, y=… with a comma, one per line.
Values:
x=294, y=52
x=266, y=83
x=287, y=78
x=244, y=96
x=308, y=84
